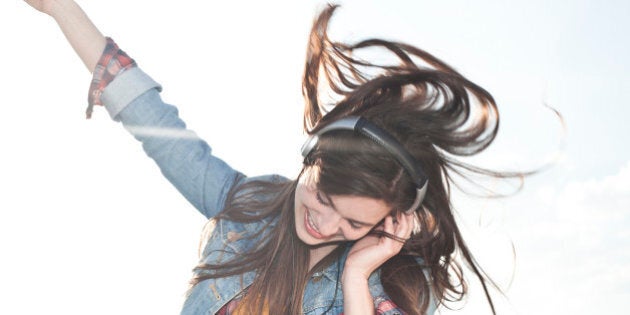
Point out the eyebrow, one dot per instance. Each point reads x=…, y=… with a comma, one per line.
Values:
x=332, y=205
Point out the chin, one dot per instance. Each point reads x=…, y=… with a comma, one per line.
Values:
x=306, y=238
x=309, y=240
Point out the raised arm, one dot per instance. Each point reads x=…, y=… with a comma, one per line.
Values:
x=132, y=97
x=86, y=40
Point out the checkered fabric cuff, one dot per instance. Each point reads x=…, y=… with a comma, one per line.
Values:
x=113, y=62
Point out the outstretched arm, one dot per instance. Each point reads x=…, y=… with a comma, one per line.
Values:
x=86, y=40
x=132, y=98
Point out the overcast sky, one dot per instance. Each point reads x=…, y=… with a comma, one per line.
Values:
x=89, y=226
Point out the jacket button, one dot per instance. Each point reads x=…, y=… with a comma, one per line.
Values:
x=216, y=293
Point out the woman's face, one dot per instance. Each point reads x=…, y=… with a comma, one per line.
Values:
x=321, y=219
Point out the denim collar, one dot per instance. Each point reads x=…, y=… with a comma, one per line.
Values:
x=333, y=271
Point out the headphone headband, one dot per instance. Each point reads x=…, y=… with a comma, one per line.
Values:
x=380, y=136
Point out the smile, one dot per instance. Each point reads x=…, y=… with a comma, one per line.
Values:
x=310, y=225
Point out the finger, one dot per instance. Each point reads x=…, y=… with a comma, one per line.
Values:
x=404, y=226
x=390, y=227
x=395, y=238
x=388, y=224
x=400, y=222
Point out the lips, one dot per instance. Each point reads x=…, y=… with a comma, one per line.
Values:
x=310, y=225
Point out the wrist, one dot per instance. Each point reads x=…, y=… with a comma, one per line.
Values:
x=353, y=278
x=56, y=8
x=356, y=294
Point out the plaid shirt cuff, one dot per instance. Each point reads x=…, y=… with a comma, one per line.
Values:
x=385, y=306
x=113, y=62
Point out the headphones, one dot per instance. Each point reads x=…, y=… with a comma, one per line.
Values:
x=364, y=127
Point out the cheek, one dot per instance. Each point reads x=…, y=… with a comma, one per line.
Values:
x=353, y=235
x=298, y=211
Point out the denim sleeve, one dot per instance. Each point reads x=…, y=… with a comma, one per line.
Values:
x=184, y=159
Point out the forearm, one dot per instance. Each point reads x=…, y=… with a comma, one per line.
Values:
x=356, y=295
x=86, y=40
x=184, y=159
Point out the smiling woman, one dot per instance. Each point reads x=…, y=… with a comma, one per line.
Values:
x=321, y=219
x=367, y=226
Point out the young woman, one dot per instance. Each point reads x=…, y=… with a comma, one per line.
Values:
x=367, y=226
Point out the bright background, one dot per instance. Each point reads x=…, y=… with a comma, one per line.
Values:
x=89, y=226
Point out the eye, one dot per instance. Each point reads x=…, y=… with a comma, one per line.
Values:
x=355, y=225
x=320, y=199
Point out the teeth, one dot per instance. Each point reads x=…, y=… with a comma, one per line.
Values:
x=310, y=221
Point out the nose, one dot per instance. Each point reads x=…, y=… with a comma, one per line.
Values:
x=331, y=225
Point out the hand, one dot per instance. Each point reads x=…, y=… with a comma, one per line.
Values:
x=370, y=252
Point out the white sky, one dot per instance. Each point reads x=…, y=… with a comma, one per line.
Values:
x=88, y=225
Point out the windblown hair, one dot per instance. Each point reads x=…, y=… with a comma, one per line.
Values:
x=433, y=111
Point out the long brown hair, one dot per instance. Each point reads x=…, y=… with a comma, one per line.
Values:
x=435, y=112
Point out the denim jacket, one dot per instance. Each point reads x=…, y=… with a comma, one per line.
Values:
x=205, y=180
